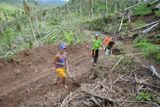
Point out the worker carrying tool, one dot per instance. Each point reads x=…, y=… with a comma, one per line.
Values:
x=60, y=64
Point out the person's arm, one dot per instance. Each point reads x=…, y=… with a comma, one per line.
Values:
x=100, y=44
x=55, y=60
x=93, y=43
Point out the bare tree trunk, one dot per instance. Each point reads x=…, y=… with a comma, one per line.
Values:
x=129, y=16
x=121, y=23
x=107, y=7
x=27, y=11
x=116, y=9
x=99, y=13
x=92, y=14
x=2, y=29
x=33, y=32
x=68, y=9
x=18, y=23
x=37, y=24
x=80, y=8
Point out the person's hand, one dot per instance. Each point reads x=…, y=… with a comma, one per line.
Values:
x=63, y=64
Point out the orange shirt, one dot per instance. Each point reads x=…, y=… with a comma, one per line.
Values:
x=107, y=40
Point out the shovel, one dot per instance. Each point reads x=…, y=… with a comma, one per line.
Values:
x=76, y=83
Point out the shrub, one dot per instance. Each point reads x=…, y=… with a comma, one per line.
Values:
x=144, y=96
x=142, y=10
x=69, y=37
x=149, y=49
x=157, y=13
x=137, y=24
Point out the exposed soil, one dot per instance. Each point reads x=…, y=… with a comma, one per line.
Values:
x=30, y=82
x=146, y=18
x=34, y=77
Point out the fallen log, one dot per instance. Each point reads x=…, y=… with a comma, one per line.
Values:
x=43, y=39
x=138, y=4
x=150, y=28
x=116, y=64
x=141, y=83
x=133, y=6
x=153, y=70
x=147, y=25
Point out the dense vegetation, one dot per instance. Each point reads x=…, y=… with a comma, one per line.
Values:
x=149, y=49
x=20, y=31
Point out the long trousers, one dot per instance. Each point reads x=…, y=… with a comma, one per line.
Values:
x=95, y=54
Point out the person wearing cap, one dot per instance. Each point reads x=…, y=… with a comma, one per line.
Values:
x=60, y=64
x=96, y=44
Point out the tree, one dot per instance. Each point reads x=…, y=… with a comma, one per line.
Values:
x=80, y=8
x=91, y=7
x=28, y=11
x=107, y=7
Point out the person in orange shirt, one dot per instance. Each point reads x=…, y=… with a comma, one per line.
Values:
x=107, y=40
x=111, y=45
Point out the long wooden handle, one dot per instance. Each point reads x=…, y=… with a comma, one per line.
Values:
x=68, y=69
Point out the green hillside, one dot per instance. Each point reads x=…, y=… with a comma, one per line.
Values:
x=14, y=1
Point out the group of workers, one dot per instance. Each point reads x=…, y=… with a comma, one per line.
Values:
x=60, y=60
x=108, y=45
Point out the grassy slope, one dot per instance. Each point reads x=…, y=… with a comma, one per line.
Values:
x=149, y=49
x=157, y=13
x=142, y=9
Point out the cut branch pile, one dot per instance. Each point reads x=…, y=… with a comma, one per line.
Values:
x=117, y=89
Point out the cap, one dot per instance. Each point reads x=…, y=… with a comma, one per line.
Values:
x=62, y=46
x=97, y=34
